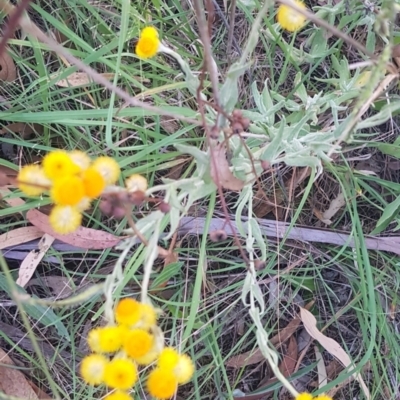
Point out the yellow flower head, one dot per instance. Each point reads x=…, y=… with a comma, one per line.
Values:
x=162, y=383
x=108, y=169
x=290, y=19
x=84, y=204
x=148, y=316
x=137, y=343
x=168, y=358
x=120, y=374
x=304, y=396
x=148, y=43
x=180, y=364
x=93, y=182
x=107, y=339
x=32, y=174
x=58, y=164
x=127, y=312
x=136, y=182
x=118, y=395
x=92, y=369
x=67, y=191
x=81, y=159
x=65, y=219
x=323, y=397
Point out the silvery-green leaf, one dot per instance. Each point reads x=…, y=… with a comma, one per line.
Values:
x=229, y=93
x=274, y=148
x=381, y=117
x=260, y=240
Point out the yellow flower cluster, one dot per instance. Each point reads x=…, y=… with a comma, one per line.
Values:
x=290, y=19
x=308, y=396
x=133, y=343
x=73, y=180
x=148, y=43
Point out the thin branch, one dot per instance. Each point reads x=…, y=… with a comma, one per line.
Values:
x=12, y=24
x=205, y=38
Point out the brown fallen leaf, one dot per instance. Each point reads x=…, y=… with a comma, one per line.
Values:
x=255, y=356
x=220, y=172
x=266, y=205
x=8, y=72
x=12, y=201
x=332, y=371
x=12, y=381
x=19, y=235
x=60, y=285
x=287, y=365
x=80, y=79
x=39, y=392
x=330, y=345
x=336, y=204
x=32, y=260
x=85, y=238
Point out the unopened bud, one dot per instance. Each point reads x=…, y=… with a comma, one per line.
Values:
x=218, y=235
x=265, y=165
x=164, y=207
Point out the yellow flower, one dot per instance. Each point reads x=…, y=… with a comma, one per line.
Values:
x=80, y=158
x=137, y=343
x=108, y=169
x=118, y=395
x=180, y=364
x=84, y=204
x=107, y=339
x=290, y=19
x=162, y=383
x=65, y=219
x=135, y=183
x=148, y=316
x=168, y=358
x=148, y=358
x=148, y=43
x=323, y=397
x=93, y=182
x=67, y=191
x=304, y=396
x=127, y=312
x=35, y=175
x=92, y=369
x=120, y=374
x=58, y=164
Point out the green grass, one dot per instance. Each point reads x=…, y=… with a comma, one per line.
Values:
x=356, y=292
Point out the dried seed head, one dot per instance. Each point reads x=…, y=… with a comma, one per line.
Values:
x=164, y=207
x=111, y=209
x=265, y=165
x=237, y=128
x=214, y=132
x=136, y=198
x=237, y=114
x=218, y=235
x=259, y=265
x=245, y=123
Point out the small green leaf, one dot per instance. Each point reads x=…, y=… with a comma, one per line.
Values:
x=167, y=273
x=387, y=217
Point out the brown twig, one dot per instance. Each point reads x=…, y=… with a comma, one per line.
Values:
x=205, y=38
x=231, y=26
x=13, y=23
